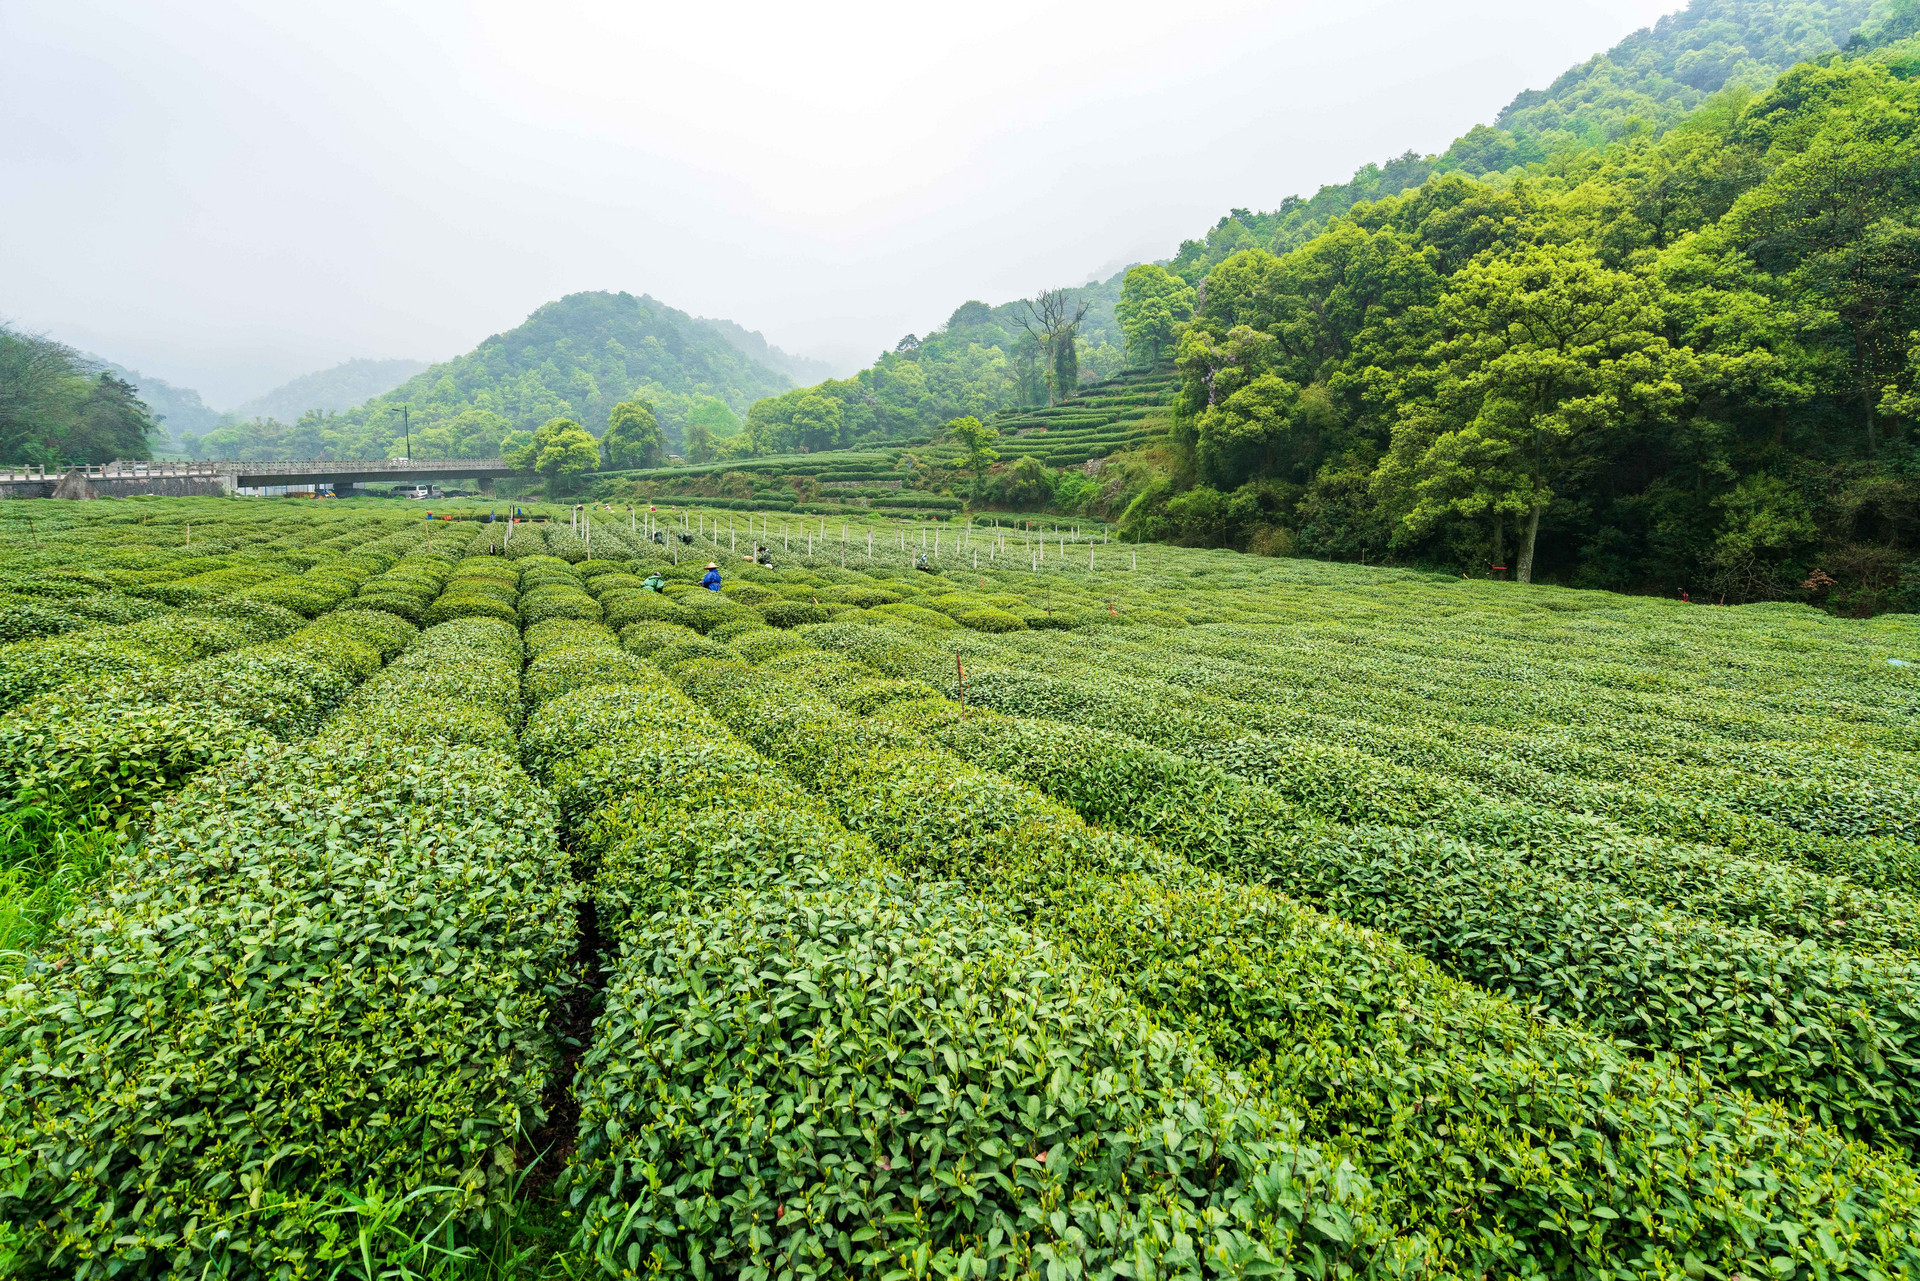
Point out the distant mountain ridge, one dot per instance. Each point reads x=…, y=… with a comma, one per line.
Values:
x=576, y=357
x=178, y=410
x=341, y=387
x=753, y=344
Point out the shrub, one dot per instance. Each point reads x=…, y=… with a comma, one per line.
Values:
x=558, y=601
x=1306, y=995
x=726, y=633
x=561, y=671
x=642, y=639
x=989, y=619
x=792, y=613
x=628, y=608
x=390, y=926
x=563, y=633
x=760, y=644
x=458, y=604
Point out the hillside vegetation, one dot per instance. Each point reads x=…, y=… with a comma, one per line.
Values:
x=57, y=407
x=575, y=358
x=1677, y=361
x=1654, y=330
x=1650, y=81
x=342, y=387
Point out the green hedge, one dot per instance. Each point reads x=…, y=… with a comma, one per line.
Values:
x=940, y=1084
x=556, y=600
x=1829, y=1033
x=565, y=633
x=30, y=668
x=1476, y=1121
x=390, y=925
x=565, y=668
x=792, y=613
x=105, y=748
x=458, y=683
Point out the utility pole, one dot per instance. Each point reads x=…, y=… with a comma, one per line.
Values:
x=406, y=429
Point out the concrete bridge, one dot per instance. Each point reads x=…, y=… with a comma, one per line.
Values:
x=225, y=475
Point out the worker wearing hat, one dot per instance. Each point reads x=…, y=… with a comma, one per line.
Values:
x=712, y=580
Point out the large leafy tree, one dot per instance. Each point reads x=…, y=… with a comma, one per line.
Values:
x=1549, y=351
x=1153, y=304
x=55, y=410
x=562, y=450
x=1052, y=318
x=810, y=419
x=633, y=438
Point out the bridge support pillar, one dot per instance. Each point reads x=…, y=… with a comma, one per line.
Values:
x=485, y=484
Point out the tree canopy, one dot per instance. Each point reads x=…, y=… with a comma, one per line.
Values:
x=633, y=437
x=1679, y=359
x=57, y=409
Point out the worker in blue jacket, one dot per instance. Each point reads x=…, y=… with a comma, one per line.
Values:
x=712, y=580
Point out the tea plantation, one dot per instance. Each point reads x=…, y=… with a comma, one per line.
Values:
x=388, y=897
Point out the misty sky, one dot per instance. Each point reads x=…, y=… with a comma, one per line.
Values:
x=230, y=193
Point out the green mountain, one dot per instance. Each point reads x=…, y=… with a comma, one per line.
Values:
x=342, y=387
x=1647, y=83
x=576, y=358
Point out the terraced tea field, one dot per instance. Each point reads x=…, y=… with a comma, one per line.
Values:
x=455, y=905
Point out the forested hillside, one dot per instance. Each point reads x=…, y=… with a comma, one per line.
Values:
x=178, y=412
x=754, y=345
x=1685, y=361
x=1650, y=81
x=982, y=360
x=342, y=387
x=57, y=407
x=575, y=358
x=1656, y=329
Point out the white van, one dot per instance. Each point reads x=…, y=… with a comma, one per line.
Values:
x=417, y=491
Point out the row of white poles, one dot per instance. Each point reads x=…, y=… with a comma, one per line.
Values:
x=581, y=523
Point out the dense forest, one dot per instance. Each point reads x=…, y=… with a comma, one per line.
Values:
x=1684, y=360
x=57, y=407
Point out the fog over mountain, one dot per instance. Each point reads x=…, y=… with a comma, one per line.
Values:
x=229, y=194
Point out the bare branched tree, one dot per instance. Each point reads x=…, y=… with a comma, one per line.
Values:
x=1051, y=318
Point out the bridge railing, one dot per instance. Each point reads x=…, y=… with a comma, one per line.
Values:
x=144, y=469
x=283, y=467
